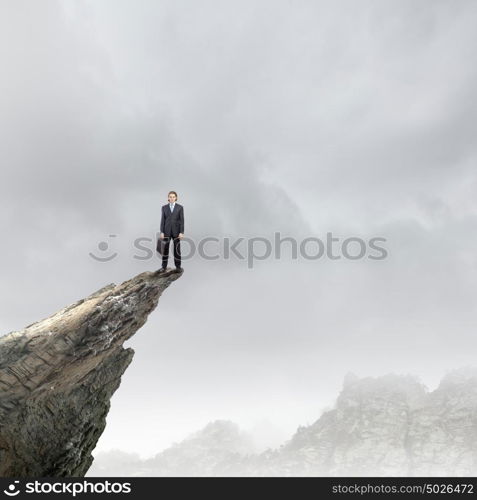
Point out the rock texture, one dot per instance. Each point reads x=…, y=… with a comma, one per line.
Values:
x=57, y=377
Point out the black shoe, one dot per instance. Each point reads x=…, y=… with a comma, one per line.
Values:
x=179, y=269
x=162, y=270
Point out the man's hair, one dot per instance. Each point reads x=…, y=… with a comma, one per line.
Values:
x=172, y=192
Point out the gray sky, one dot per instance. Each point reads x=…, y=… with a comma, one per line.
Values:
x=304, y=117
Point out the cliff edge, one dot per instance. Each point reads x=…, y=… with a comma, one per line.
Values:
x=57, y=377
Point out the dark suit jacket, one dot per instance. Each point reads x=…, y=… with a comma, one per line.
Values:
x=172, y=223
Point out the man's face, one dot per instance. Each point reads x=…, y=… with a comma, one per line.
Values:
x=172, y=198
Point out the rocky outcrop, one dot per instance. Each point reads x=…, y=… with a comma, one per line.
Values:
x=367, y=433
x=388, y=426
x=57, y=377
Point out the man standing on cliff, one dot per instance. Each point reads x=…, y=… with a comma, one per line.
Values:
x=172, y=226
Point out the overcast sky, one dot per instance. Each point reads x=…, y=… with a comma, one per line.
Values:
x=305, y=117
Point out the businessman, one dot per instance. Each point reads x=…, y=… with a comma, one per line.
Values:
x=172, y=227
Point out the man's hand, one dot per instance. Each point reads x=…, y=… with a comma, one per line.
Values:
x=181, y=235
x=162, y=236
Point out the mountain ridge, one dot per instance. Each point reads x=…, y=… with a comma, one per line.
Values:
x=390, y=425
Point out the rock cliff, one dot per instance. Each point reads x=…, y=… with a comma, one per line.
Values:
x=387, y=426
x=57, y=377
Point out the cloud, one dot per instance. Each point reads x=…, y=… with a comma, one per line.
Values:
x=298, y=117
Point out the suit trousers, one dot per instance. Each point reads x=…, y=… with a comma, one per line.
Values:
x=177, y=251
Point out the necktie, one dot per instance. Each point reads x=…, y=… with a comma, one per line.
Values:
x=172, y=207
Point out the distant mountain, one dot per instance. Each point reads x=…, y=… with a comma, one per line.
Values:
x=203, y=453
x=385, y=426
